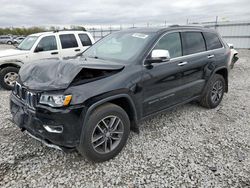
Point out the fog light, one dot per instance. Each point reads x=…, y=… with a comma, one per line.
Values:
x=53, y=129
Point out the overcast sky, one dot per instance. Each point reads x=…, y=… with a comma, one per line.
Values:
x=115, y=12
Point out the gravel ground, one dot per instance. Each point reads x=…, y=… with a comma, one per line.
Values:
x=187, y=147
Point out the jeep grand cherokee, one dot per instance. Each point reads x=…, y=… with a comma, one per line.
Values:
x=91, y=102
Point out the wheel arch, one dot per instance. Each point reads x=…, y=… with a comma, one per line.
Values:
x=2, y=66
x=115, y=99
x=223, y=72
x=122, y=100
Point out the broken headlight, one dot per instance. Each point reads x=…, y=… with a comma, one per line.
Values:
x=55, y=100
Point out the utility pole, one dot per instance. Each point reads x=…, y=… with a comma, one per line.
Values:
x=187, y=21
x=216, y=22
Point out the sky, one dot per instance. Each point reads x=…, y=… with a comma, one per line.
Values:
x=18, y=13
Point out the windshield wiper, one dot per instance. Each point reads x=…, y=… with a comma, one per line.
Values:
x=95, y=57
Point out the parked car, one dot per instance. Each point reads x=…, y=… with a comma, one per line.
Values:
x=18, y=40
x=38, y=46
x=91, y=102
x=234, y=56
x=6, y=40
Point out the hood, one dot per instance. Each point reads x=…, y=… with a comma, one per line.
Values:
x=58, y=74
x=12, y=52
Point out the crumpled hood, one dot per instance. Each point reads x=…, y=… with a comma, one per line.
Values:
x=58, y=74
x=12, y=52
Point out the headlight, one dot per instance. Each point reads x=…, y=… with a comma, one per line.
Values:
x=55, y=100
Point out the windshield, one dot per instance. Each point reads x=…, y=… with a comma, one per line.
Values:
x=119, y=46
x=27, y=43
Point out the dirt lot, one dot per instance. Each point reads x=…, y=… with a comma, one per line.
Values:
x=186, y=147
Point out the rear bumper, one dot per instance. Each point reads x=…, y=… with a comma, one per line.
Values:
x=60, y=127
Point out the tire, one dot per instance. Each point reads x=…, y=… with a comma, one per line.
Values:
x=9, y=42
x=8, y=82
x=213, y=92
x=95, y=128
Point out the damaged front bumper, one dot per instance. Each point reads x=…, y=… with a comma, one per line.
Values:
x=58, y=128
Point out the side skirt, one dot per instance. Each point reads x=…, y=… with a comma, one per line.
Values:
x=171, y=107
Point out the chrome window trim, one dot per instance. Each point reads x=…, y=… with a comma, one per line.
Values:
x=183, y=56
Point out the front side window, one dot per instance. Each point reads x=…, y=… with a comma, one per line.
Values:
x=68, y=41
x=27, y=43
x=193, y=42
x=212, y=41
x=172, y=43
x=85, y=40
x=48, y=43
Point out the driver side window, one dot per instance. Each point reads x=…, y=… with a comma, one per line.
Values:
x=47, y=43
x=172, y=43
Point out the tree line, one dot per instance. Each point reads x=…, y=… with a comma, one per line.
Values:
x=22, y=31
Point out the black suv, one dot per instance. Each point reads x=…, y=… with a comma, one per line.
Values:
x=91, y=102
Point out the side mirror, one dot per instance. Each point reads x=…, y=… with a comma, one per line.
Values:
x=158, y=56
x=231, y=46
x=39, y=49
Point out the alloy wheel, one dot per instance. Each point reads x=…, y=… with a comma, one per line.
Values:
x=10, y=78
x=107, y=134
x=217, y=91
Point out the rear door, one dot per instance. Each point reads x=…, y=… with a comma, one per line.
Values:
x=69, y=45
x=197, y=60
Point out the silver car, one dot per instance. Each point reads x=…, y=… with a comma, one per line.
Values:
x=18, y=40
x=6, y=40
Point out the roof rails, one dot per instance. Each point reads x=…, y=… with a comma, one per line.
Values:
x=191, y=25
x=58, y=30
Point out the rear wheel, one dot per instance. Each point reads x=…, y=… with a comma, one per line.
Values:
x=214, y=92
x=9, y=42
x=106, y=133
x=8, y=77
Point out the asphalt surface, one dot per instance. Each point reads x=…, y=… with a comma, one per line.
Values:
x=189, y=146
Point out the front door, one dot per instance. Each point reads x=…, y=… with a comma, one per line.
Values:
x=47, y=48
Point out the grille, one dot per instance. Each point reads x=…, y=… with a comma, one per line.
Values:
x=28, y=97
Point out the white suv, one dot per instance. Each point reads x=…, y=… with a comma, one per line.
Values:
x=57, y=44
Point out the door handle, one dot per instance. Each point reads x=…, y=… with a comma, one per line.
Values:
x=210, y=56
x=183, y=63
x=77, y=50
x=54, y=53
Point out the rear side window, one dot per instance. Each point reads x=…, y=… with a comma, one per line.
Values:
x=48, y=43
x=85, y=40
x=212, y=41
x=172, y=43
x=193, y=42
x=68, y=41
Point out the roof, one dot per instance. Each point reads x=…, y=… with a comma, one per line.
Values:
x=169, y=28
x=63, y=32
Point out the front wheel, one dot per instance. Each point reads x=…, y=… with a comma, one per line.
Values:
x=214, y=92
x=8, y=77
x=105, y=134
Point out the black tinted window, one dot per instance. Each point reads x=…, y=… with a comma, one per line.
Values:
x=193, y=42
x=48, y=43
x=212, y=41
x=172, y=43
x=68, y=41
x=85, y=40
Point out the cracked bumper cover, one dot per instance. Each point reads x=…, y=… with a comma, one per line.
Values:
x=33, y=121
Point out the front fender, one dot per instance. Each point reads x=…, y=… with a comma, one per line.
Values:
x=11, y=62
